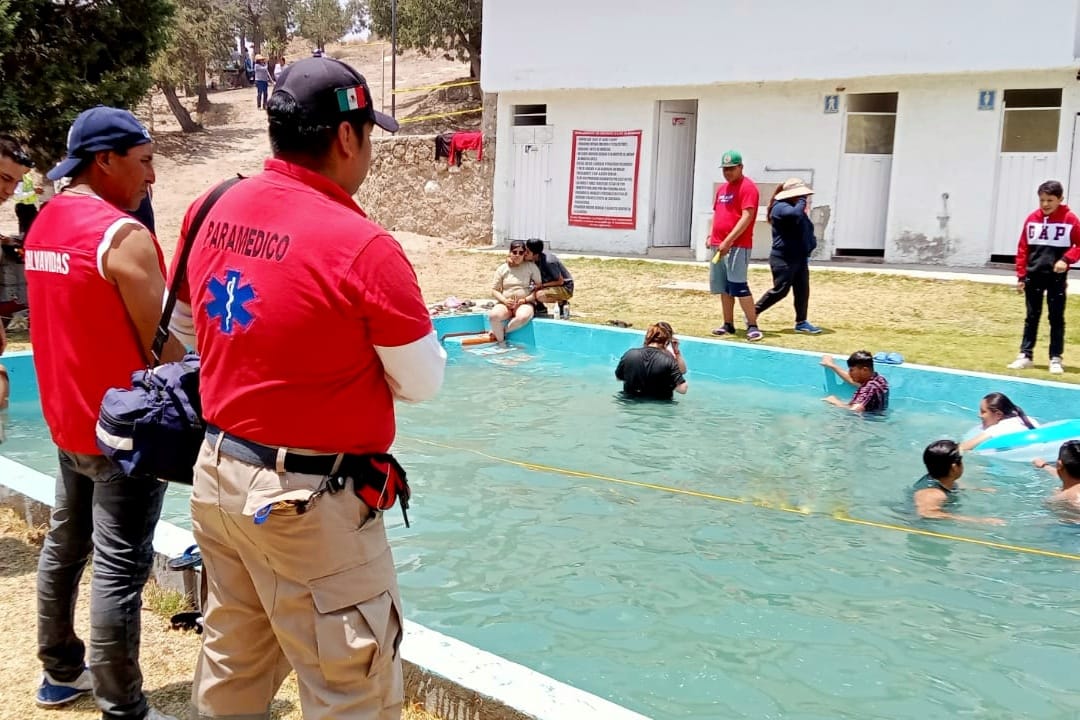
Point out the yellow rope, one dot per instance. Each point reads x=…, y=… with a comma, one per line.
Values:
x=440, y=115
x=435, y=87
x=838, y=516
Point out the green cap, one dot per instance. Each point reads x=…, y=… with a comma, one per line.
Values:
x=731, y=159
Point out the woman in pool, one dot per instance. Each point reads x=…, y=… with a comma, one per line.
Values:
x=655, y=370
x=1000, y=416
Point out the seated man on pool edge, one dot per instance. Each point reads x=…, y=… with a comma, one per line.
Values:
x=937, y=488
x=873, y=393
x=558, y=283
x=655, y=370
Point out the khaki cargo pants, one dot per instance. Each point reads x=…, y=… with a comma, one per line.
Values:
x=314, y=592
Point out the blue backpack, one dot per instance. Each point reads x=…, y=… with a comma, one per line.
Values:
x=155, y=428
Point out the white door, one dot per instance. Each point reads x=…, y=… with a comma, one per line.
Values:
x=674, y=196
x=1072, y=190
x=1019, y=175
x=862, y=202
x=532, y=153
x=862, y=194
x=1028, y=157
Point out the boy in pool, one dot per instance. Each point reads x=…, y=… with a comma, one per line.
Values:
x=937, y=488
x=1066, y=501
x=873, y=393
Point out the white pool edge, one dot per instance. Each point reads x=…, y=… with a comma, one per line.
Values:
x=449, y=678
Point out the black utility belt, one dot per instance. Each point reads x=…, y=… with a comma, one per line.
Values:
x=377, y=478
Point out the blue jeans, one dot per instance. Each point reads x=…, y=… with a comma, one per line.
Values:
x=98, y=509
x=261, y=87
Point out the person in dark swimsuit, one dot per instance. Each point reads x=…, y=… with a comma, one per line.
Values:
x=937, y=488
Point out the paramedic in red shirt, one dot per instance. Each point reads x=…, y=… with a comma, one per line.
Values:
x=734, y=211
x=95, y=278
x=310, y=324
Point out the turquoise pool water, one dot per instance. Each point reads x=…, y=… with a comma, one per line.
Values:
x=681, y=606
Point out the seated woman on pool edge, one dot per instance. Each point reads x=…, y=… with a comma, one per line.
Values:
x=999, y=416
x=655, y=370
x=513, y=290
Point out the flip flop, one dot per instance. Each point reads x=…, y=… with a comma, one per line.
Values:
x=189, y=559
x=620, y=323
x=889, y=358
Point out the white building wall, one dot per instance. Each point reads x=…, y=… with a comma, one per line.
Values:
x=566, y=112
x=778, y=125
x=943, y=144
x=637, y=43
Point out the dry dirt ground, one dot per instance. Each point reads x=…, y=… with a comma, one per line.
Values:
x=168, y=656
x=235, y=140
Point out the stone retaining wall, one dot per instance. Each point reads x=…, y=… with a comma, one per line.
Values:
x=407, y=189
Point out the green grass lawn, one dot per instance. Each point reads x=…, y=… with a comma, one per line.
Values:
x=966, y=325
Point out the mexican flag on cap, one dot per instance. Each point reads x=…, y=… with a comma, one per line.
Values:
x=351, y=98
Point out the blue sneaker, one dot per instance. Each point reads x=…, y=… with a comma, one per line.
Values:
x=53, y=693
x=805, y=327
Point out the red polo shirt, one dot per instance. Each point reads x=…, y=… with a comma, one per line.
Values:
x=291, y=289
x=728, y=205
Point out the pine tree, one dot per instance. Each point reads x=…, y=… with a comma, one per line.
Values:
x=452, y=27
x=60, y=57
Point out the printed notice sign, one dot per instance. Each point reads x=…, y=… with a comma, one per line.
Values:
x=603, y=178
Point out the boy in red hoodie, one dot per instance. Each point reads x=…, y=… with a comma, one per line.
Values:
x=1049, y=244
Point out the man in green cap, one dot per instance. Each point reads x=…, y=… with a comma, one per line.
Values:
x=734, y=209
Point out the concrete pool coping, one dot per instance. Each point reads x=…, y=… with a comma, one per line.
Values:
x=447, y=677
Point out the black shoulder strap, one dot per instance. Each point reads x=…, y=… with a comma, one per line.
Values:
x=186, y=241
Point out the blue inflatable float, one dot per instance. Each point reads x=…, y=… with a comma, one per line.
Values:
x=1026, y=445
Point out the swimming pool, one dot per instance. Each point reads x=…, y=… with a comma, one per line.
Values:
x=658, y=554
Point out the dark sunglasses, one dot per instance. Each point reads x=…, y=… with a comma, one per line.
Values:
x=517, y=252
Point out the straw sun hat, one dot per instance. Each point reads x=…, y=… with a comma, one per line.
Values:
x=794, y=187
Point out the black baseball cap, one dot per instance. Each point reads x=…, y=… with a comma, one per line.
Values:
x=328, y=89
x=95, y=130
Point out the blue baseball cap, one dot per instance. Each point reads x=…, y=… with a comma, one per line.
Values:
x=96, y=130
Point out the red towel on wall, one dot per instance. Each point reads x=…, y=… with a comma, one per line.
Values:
x=467, y=141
